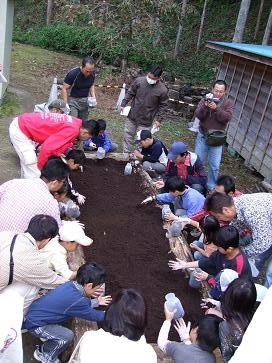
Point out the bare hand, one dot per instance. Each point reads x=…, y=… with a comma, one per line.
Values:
x=156, y=124
x=137, y=155
x=183, y=330
x=170, y=217
x=177, y=265
x=169, y=315
x=104, y=300
x=211, y=105
x=159, y=184
x=201, y=276
x=214, y=311
x=194, y=246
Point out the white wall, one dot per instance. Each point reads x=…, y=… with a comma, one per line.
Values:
x=6, y=27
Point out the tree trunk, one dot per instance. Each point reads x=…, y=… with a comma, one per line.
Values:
x=267, y=30
x=157, y=28
x=179, y=32
x=49, y=11
x=241, y=21
x=201, y=25
x=258, y=19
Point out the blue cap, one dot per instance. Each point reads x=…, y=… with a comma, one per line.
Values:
x=177, y=148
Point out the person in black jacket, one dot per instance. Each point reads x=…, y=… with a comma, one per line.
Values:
x=185, y=164
x=153, y=154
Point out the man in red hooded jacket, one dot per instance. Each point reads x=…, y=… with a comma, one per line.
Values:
x=53, y=131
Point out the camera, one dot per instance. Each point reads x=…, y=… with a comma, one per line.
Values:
x=210, y=98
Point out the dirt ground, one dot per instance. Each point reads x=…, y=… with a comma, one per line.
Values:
x=129, y=240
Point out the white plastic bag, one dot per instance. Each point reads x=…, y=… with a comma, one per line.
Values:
x=121, y=96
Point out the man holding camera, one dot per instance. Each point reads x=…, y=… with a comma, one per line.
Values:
x=214, y=112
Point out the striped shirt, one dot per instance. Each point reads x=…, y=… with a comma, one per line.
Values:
x=22, y=199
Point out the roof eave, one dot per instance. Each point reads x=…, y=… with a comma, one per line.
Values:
x=239, y=53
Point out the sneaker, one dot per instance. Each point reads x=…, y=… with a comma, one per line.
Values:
x=39, y=356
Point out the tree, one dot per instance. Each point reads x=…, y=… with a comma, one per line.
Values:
x=241, y=21
x=180, y=28
x=201, y=25
x=49, y=11
x=267, y=29
x=258, y=19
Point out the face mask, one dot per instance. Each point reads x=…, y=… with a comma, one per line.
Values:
x=150, y=81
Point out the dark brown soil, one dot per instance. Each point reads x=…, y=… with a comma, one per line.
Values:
x=129, y=240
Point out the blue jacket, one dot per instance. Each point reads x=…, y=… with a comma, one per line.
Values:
x=192, y=201
x=100, y=141
x=66, y=301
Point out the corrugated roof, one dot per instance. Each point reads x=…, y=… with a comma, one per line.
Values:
x=263, y=50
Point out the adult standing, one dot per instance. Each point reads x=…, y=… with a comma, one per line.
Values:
x=53, y=132
x=80, y=81
x=214, y=112
x=21, y=199
x=148, y=96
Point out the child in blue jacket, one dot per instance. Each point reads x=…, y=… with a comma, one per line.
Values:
x=72, y=299
x=101, y=140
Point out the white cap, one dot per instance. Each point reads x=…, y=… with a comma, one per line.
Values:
x=226, y=277
x=74, y=231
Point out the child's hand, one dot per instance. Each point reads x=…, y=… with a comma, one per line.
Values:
x=201, y=276
x=104, y=300
x=137, y=155
x=81, y=199
x=194, y=246
x=177, y=265
x=159, y=184
x=170, y=217
x=183, y=329
x=169, y=315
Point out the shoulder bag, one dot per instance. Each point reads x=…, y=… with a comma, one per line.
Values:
x=215, y=137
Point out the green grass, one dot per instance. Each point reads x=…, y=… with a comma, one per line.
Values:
x=10, y=106
x=169, y=131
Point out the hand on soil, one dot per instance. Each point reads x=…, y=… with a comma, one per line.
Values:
x=104, y=300
x=177, y=265
x=210, y=303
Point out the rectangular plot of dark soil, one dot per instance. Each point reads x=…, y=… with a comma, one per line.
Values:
x=129, y=240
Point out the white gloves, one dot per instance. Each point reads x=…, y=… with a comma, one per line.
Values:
x=92, y=101
x=92, y=145
x=148, y=200
x=183, y=330
x=81, y=199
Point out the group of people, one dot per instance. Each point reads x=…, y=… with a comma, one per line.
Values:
x=39, y=226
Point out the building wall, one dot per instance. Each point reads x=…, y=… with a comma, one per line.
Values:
x=6, y=27
x=249, y=132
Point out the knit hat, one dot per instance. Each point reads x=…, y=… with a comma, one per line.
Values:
x=74, y=231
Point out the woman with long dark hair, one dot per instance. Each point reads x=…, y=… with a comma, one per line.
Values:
x=237, y=306
x=122, y=337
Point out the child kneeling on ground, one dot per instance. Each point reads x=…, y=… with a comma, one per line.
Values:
x=228, y=256
x=69, y=300
x=101, y=140
x=55, y=253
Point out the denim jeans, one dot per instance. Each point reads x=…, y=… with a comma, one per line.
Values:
x=213, y=155
x=268, y=275
x=197, y=255
x=57, y=339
